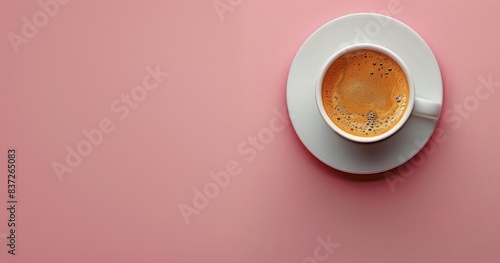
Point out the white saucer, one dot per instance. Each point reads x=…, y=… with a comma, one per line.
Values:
x=324, y=143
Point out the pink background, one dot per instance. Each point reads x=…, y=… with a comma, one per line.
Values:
x=227, y=80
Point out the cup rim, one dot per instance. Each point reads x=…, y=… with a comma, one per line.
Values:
x=392, y=55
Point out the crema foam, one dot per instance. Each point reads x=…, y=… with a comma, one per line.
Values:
x=365, y=93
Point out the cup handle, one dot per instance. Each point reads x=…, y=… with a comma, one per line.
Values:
x=426, y=108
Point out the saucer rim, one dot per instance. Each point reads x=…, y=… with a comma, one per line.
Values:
x=421, y=45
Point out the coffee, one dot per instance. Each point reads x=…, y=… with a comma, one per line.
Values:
x=365, y=93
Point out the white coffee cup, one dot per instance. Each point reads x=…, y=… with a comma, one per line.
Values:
x=416, y=106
